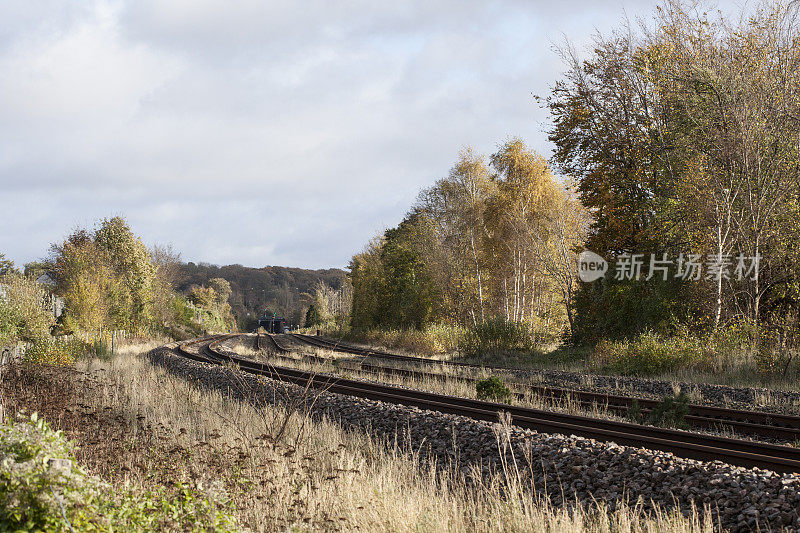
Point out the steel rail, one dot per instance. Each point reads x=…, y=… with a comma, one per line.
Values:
x=587, y=400
x=774, y=425
x=738, y=452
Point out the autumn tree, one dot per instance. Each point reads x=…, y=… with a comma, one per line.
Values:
x=84, y=281
x=456, y=206
x=133, y=269
x=467, y=250
x=683, y=139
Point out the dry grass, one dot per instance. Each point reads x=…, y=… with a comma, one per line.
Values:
x=452, y=387
x=136, y=422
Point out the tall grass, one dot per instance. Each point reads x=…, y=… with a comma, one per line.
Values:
x=434, y=340
x=497, y=336
x=310, y=475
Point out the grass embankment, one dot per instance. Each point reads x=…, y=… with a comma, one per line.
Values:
x=144, y=431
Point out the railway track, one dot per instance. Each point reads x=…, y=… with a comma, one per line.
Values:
x=771, y=425
x=738, y=452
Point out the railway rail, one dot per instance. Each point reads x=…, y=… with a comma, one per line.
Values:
x=778, y=426
x=783, y=459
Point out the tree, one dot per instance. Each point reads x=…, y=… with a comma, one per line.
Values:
x=312, y=316
x=456, y=206
x=6, y=265
x=526, y=192
x=85, y=281
x=367, y=275
x=556, y=244
x=133, y=268
x=222, y=289
x=684, y=139
x=36, y=269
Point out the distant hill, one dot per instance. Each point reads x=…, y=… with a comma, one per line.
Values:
x=279, y=289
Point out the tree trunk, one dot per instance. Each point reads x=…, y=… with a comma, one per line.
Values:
x=477, y=274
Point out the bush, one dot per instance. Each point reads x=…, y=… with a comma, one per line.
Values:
x=56, y=351
x=670, y=412
x=37, y=496
x=492, y=388
x=650, y=354
x=495, y=336
x=23, y=318
x=435, y=339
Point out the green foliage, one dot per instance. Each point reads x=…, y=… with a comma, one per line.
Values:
x=222, y=289
x=493, y=389
x=393, y=286
x=107, y=278
x=613, y=309
x=214, y=312
x=641, y=124
x=495, y=336
x=133, y=268
x=634, y=412
x=58, y=351
x=312, y=317
x=34, y=269
x=670, y=412
x=36, y=494
x=204, y=297
x=650, y=354
x=477, y=244
x=183, y=324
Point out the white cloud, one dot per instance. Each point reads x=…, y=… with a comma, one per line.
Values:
x=255, y=132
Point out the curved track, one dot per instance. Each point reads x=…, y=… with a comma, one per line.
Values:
x=684, y=444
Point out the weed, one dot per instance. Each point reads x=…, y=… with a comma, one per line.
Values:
x=670, y=412
x=492, y=388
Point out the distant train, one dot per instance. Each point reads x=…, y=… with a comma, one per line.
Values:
x=272, y=323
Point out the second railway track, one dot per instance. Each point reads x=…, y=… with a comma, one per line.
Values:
x=779, y=426
x=783, y=459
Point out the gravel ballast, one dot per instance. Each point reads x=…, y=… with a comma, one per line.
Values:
x=565, y=468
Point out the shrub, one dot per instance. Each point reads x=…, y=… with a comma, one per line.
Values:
x=497, y=335
x=433, y=340
x=23, y=318
x=492, y=388
x=650, y=354
x=56, y=351
x=38, y=496
x=671, y=411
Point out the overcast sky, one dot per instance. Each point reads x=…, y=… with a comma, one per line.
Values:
x=256, y=132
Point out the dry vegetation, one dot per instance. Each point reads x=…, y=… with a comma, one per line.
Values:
x=452, y=387
x=137, y=424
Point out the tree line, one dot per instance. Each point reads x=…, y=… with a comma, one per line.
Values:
x=683, y=138
x=108, y=280
x=496, y=238
x=677, y=142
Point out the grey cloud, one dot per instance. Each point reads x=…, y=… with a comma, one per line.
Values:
x=210, y=124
